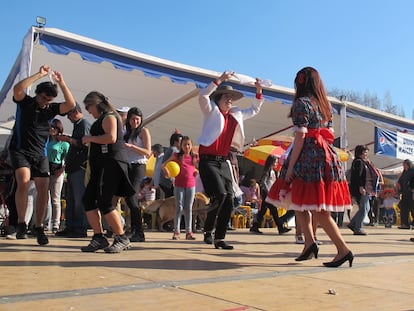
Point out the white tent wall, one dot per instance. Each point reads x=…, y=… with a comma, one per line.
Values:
x=168, y=105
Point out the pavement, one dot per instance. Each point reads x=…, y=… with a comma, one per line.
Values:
x=164, y=274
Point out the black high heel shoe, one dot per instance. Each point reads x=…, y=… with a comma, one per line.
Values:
x=222, y=244
x=312, y=250
x=334, y=264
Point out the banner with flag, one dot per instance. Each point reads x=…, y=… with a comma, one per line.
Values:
x=394, y=144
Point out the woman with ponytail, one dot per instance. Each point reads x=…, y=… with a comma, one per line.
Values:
x=109, y=174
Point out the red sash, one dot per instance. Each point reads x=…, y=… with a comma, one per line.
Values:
x=322, y=137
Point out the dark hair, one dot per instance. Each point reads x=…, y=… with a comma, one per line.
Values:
x=157, y=148
x=359, y=150
x=129, y=132
x=175, y=137
x=217, y=98
x=308, y=83
x=57, y=124
x=180, y=153
x=49, y=88
x=408, y=163
x=268, y=167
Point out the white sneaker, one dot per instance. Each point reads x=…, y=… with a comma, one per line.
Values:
x=11, y=236
x=299, y=239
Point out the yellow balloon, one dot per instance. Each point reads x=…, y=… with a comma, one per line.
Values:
x=173, y=168
x=150, y=167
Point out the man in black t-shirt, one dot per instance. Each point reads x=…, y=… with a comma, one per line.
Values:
x=29, y=143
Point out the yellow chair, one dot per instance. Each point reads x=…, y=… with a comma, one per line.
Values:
x=239, y=221
x=397, y=214
x=268, y=217
x=249, y=213
x=63, y=208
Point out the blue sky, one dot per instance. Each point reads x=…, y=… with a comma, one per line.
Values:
x=361, y=46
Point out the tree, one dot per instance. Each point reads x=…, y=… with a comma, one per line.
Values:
x=370, y=100
x=388, y=105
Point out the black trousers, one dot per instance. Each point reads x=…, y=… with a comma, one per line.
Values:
x=136, y=173
x=218, y=185
x=273, y=211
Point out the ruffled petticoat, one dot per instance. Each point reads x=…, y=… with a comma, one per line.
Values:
x=320, y=183
x=310, y=196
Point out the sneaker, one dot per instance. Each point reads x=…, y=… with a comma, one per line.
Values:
x=40, y=236
x=189, y=236
x=97, y=242
x=11, y=233
x=299, y=240
x=55, y=230
x=11, y=236
x=21, y=231
x=176, y=235
x=120, y=244
x=255, y=230
x=137, y=237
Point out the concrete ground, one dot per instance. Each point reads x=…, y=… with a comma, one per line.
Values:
x=162, y=274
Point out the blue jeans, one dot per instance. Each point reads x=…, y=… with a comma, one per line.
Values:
x=363, y=209
x=184, y=198
x=75, y=216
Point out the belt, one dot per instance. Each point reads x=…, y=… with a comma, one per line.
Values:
x=211, y=157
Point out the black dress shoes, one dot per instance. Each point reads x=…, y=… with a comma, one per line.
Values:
x=360, y=232
x=255, y=229
x=208, y=239
x=222, y=244
x=283, y=230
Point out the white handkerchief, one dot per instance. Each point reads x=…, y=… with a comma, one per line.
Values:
x=245, y=79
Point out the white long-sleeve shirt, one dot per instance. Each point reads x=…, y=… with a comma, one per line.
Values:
x=214, y=121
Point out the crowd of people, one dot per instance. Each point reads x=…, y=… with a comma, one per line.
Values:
x=105, y=163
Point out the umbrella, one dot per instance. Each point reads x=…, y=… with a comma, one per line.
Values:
x=284, y=141
x=276, y=140
x=259, y=154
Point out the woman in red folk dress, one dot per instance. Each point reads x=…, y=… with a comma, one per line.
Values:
x=312, y=181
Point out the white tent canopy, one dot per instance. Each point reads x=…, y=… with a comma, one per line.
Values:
x=166, y=91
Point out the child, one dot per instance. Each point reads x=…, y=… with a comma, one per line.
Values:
x=147, y=192
x=184, y=186
x=388, y=205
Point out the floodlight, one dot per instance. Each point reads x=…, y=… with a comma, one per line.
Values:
x=41, y=21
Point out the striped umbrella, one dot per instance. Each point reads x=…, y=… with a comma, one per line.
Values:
x=259, y=154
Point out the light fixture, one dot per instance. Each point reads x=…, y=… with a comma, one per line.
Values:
x=41, y=21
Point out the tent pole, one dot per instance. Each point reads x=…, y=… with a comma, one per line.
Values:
x=343, y=141
x=171, y=106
